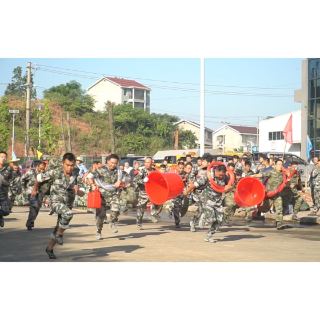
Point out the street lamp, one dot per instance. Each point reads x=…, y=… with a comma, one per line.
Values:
x=14, y=113
x=224, y=134
x=39, y=106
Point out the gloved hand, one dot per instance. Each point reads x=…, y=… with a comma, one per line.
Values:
x=146, y=179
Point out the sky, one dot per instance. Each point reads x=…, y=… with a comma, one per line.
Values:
x=240, y=91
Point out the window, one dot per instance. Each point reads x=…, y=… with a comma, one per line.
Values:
x=139, y=94
x=276, y=135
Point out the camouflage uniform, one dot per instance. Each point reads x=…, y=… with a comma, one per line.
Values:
x=143, y=197
x=196, y=195
x=238, y=166
x=248, y=210
x=14, y=190
x=125, y=194
x=211, y=203
x=110, y=199
x=62, y=194
x=29, y=179
x=176, y=208
x=229, y=202
x=316, y=190
x=291, y=195
x=275, y=179
x=8, y=177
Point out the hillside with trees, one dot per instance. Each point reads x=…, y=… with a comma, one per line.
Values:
x=88, y=132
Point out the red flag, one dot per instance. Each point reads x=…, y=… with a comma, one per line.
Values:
x=287, y=132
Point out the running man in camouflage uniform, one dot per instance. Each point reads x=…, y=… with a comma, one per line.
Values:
x=140, y=179
x=211, y=200
x=7, y=177
x=290, y=192
x=126, y=194
x=228, y=201
x=316, y=189
x=247, y=172
x=237, y=163
x=196, y=192
x=15, y=190
x=65, y=186
x=176, y=207
x=108, y=178
x=275, y=179
x=29, y=179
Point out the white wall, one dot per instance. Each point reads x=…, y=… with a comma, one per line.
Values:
x=104, y=91
x=278, y=124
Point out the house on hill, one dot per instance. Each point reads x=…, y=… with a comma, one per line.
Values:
x=120, y=91
x=230, y=138
x=195, y=128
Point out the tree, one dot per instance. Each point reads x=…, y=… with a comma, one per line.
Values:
x=187, y=139
x=17, y=86
x=4, y=120
x=70, y=97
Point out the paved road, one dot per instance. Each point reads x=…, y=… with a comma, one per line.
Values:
x=157, y=242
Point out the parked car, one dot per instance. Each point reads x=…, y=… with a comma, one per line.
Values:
x=303, y=167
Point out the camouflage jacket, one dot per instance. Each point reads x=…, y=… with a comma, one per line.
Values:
x=201, y=172
x=62, y=188
x=126, y=178
x=275, y=178
x=195, y=169
x=11, y=179
x=316, y=177
x=29, y=178
x=247, y=173
x=209, y=193
x=106, y=176
x=15, y=186
x=138, y=179
x=238, y=166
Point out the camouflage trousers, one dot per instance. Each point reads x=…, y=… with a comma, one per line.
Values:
x=231, y=206
x=64, y=214
x=316, y=194
x=108, y=202
x=213, y=214
x=35, y=205
x=12, y=198
x=129, y=198
x=291, y=196
x=277, y=202
x=142, y=205
x=179, y=208
x=196, y=196
x=5, y=207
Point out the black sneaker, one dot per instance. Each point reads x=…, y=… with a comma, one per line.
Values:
x=50, y=253
x=178, y=225
x=1, y=223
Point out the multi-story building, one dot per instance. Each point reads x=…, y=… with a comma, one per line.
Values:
x=309, y=97
x=195, y=128
x=230, y=138
x=119, y=91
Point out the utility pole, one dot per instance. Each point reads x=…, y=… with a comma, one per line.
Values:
x=258, y=134
x=110, y=105
x=176, y=140
x=28, y=110
x=63, y=138
x=69, y=132
x=202, y=106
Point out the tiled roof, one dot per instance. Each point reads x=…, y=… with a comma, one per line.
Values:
x=243, y=129
x=127, y=83
x=193, y=123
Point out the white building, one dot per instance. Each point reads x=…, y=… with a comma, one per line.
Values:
x=271, y=137
x=119, y=91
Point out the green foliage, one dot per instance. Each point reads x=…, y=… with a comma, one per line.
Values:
x=4, y=123
x=49, y=132
x=70, y=97
x=16, y=88
x=187, y=139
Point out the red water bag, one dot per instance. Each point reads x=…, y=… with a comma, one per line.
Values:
x=94, y=199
